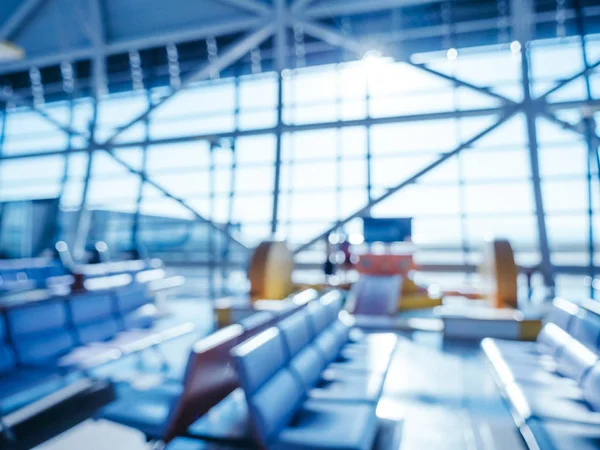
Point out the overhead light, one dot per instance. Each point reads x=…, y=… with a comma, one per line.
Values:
x=10, y=51
x=452, y=54
x=372, y=54
x=515, y=46
x=356, y=239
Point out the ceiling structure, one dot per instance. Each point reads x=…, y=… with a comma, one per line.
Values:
x=101, y=35
x=96, y=46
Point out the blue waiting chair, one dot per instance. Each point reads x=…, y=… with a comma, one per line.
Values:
x=282, y=415
x=42, y=337
x=309, y=365
x=21, y=386
x=329, y=342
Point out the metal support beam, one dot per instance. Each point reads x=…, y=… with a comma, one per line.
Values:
x=592, y=143
x=458, y=82
x=411, y=180
x=232, y=185
x=252, y=6
x=65, y=176
x=281, y=60
x=97, y=38
x=338, y=124
x=566, y=81
x=331, y=36
x=212, y=254
x=231, y=26
x=80, y=234
x=368, y=147
x=123, y=45
x=135, y=226
x=18, y=101
x=96, y=31
x=523, y=31
x=348, y=7
x=15, y=22
x=176, y=199
x=228, y=57
x=547, y=110
x=300, y=5
x=2, y=138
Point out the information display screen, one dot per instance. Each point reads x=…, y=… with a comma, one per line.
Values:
x=387, y=230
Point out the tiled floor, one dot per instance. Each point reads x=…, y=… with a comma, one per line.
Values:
x=443, y=395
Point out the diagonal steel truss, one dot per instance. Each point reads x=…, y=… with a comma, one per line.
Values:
x=529, y=105
x=278, y=18
x=24, y=11
x=252, y=6
x=410, y=180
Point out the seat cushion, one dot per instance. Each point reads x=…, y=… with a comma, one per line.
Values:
x=504, y=349
x=144, y=410
x=363, y=358
x=22, y=387
x=43, y=348
x=540, y=372
x=378, y=345
x=328, y=425
x=134, y=340
x=558, y=435
x=88, y=357
x=389, y=340
x=550, y=403
x=274, y=404
x=374, y=356
x=89, y=307
x=229, y=419
x=348, y=386
x=549, y=343
x=97, y=331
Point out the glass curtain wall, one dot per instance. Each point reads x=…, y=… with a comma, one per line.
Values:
x=352, y=131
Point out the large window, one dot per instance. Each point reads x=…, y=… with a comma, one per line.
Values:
x=352, y=131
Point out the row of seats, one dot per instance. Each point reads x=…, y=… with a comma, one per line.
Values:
x=208, y=390
x=44, y=345
x=33, y=269
x=553, y=385
x=208, y=403
x=308, y=386
x=21, y=273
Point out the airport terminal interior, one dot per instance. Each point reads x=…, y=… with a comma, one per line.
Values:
x=299, y=224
